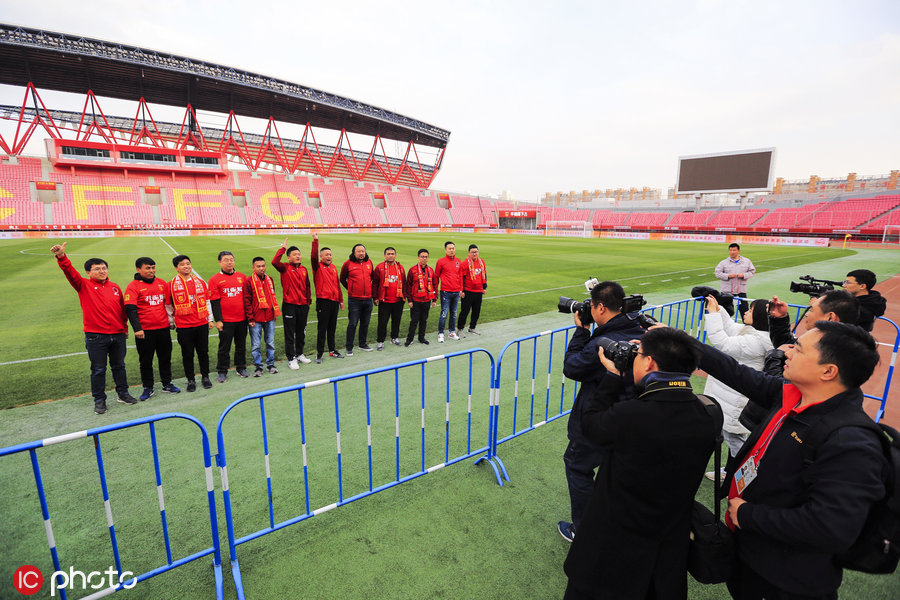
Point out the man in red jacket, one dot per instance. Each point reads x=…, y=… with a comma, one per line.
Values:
x=295, y=300
x=329, y=299
x=448, y=272
x=474, y=277
x=105, y=330
x=419, y=290
x=226, y=294
x=388, y=289
x=261, y=309
x=356, y=276
x=193, y=318
x=145, y=305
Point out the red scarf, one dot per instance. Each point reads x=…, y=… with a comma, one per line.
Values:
x=387, y=277
x=181, y=296
x=424, y=282
x=481, y=277
x=265, y=295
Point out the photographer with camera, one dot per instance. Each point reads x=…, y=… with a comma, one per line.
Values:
x=871, y=303
x=633, y=538
x=734, y=272
x=832, y=305
x=582, y=364
x=747, y=344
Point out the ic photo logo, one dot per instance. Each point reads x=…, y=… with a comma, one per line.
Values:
x=28, y=580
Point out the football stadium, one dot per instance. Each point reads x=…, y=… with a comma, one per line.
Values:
x=419, y=470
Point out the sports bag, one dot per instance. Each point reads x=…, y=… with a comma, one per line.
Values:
x=711, y=554
x=877, y=549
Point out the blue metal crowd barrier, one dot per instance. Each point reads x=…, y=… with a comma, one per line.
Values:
x=879, y=414
x=450, y=394
x=95, y=433
x=683, y=314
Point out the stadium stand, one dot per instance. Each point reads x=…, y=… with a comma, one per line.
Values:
x=647, y=220
x=736, y=219
x=427, y=208
x=466, y=210
x=335, y=209
x=359, y=196
x=34, y=194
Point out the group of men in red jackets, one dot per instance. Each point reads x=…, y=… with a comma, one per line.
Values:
x=235, y=304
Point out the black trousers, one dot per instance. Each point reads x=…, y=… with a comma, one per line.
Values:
x=159, y=342
x=294, y=317
x=191, y=340
x=743, y=305
x=747, y=584
x=103, y=347
x=238, y=333
x=581, y=459
x=326, y=315
x=418, y=315
x=471, y=300
x=392, y=311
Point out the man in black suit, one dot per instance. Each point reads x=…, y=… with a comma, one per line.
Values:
x=633, y=539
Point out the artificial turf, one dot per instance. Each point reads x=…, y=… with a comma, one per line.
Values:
x=453, y=533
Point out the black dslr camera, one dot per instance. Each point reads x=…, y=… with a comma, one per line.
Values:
x=621, y=353
x=726, y=301
x=630, y=304
x=569, y=306
x=814, y=287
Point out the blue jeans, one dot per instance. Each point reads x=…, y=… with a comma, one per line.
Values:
x=449, y=301
x=359, y=311
x=255, y=334
x=100, y=348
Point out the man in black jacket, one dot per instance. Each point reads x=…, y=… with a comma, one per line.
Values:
x=582, y=364
x=871, y=303
x=792, y=518
x=633, y=538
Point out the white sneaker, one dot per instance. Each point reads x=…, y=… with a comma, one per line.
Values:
x=302, y=358
x=453, y=335
x=711, y=475
x=475, y=331
x=441, y=338
x=293, y=365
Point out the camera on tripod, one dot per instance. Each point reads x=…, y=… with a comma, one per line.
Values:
x=814, y=287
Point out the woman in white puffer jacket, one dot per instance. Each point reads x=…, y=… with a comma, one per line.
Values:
x=747, y=344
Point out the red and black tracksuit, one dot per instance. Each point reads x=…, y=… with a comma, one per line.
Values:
x=226, y=295
x=474, y=279
x=387, y=284
x=329, y=298
x=145, y=304
x=105, y=330
x=296, y=296
x=419, y=289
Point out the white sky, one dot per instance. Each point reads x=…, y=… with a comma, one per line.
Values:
x=545, y=97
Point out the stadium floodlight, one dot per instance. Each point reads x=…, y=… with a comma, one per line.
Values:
x=737, y=171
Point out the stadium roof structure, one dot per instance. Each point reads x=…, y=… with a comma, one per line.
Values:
x=76, y=64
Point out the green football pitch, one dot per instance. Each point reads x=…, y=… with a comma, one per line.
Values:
x=451, y=534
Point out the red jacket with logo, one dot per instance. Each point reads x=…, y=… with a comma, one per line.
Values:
x=417, y=290
x=150, y=300
x=229, y=291
x=449, y=272
x=294, y=280
x=326, y=277
x=474, y=275
x=102, y=304
x=388, y=282
x=356, y=276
